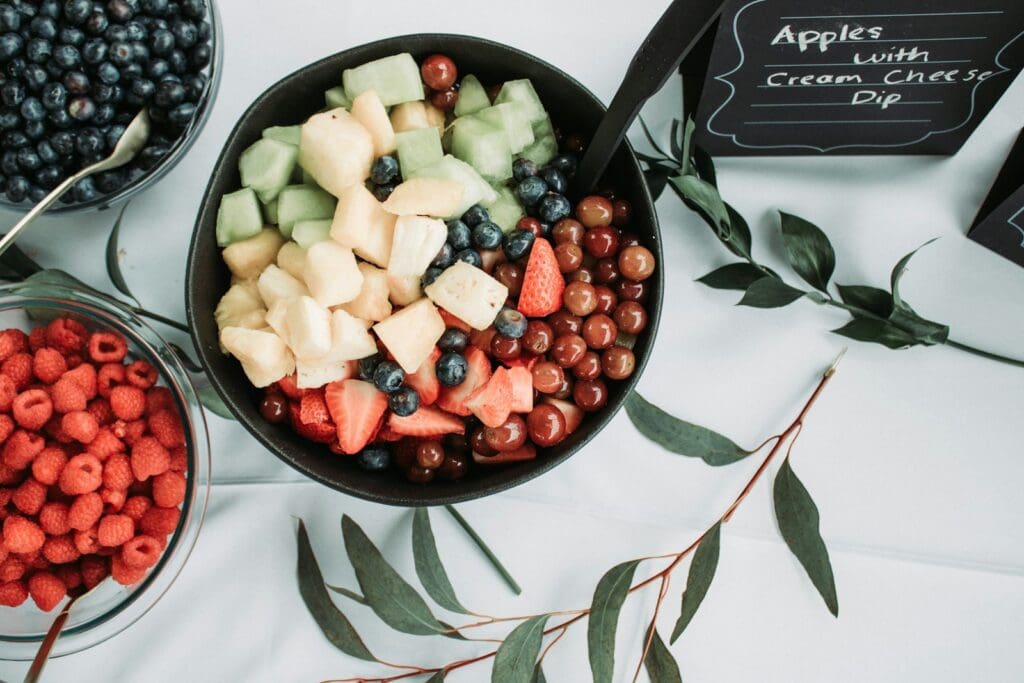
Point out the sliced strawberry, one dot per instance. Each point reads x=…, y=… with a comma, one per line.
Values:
x=573, y=413
x=492, y=402
x=525, y=452
x=387, y=434
x=427, y=421
x=312, y=408
x=522, y=389
x=319, y=432
x=478, y=372
x=289, y=386
x=451, y=321
x=543, y=283
x=357, y=409
x=425, y=381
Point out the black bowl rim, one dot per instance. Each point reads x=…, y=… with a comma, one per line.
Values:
x=541, y=465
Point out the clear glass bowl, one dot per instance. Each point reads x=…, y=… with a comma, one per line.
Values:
x=110, y=608
x=177, y=151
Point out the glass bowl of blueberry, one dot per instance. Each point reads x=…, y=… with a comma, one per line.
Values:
x=73, y=74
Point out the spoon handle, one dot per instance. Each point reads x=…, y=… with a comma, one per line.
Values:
x=671, y=39
x=43, y=654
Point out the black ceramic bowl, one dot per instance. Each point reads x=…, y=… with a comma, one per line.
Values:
x=573, y=109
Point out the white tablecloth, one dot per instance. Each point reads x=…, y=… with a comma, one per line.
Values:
x=913, y=456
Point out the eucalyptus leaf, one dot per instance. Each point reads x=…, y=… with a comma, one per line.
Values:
x=706, y=198
x=900, y=269
x=437, y=678
x=516, y=659
x=808, y=251
x=675, y=140
x=681, y=437
x=924, y=331
x=877, y=331
x=209, y=397
x=660, y=664
x=770, y=292
x=797, y=516
x=429, y=568
x=702, y=571
x=871, y=299
x=704, y=165
x=17, y=265
x=350, y=594
x=657, y=177
x=611, y=592
x=392, y=599
x=738, y=276
x=113, y=258
x=538, y=675
x=334, y=625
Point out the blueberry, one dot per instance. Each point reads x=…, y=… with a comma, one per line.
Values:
x=566, y=163
x=553, y=208
x=108, y=73
x=523, y=169
x=451, y=369
x=32, y=109
x=182, y=114
x=84, y=190
x=140, y=53
x=82, y=109
x=459, y=235
x=35, y=76
x=487, y=235
x=94, y=51
x=121, y=54
x=119, y=10
x=136, y=32
x=76, y=82
x=169, y=94
x=47, y=153
x=470, y=256
x=109, y=181
x=404, y=402
x=445, y=257
x=12, y=94
x=185, y=33
x=517, y=244
x=49, y=177
x=71, y=36
x=388, y=377
x=142, y=88
x=151, y=156
x=531, y=190
x=195, y=85
x=384, y=169
x=10, y=45
x=104, y=114
x=161, y=42
x=88, y=142
x=17, y=188
x=193, y=8
x=429, y=276
x=555, y=180
x=63, y=143
x=15, y=67
x=453, y=339
x=54, y=96
x=382, y=192
x=13, y=139
x=475, y=215
x=49, y=8
x=28, y=159
x=511, y=323
x=35, y=130
x=368, y=365
x=9, y=118
x=60, y=119
x=179, y=62
x=200, y=55
x=67, y=56
x=53, y=69
x=154, y=8
x=10, y=18
x=374, y=458
x=96, y=23
x=113, y=134
x=115, y=34
x=9, y=163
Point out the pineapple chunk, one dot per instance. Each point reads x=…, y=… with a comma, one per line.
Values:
x=410, y=334
x=368, y=110
x=248, y=258
x=312, y=373
x=336, y=150
x=276, y=285
x=276, y=318
x=409, y=116
x=372, y=302
x=404, y=289
x=349, y=342
x=361, y=224
x=264, y=356
x=241, y=306
x=468, y=293
x=425, y=197
x=291, y=258
x=309, y=328
x=417, y=241
x=332, y=274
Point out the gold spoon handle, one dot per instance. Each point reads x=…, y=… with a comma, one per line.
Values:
x=43, y=655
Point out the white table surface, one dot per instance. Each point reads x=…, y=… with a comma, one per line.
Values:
x=914, y=457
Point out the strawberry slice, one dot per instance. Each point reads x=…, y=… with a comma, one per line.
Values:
x=453, y=399
x=525, y=452
x=573, y=413
x=425, y=381
x=388, y=435
x=357, y=409
x=543, y=283
x=492, y=402
x=312, y=408
x=318, y=432
x=427, y=422
x=522, y=389
x=289, y=386
x=451, y=321
x=525, y=361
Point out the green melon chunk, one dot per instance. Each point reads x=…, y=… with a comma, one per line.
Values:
x=475, y=189
x=266, y=166
x=270, y=212
x=238, y=217
x=396, y=79
x=418, y=148
x=506, y=209
x=522, y=91
x=545, y=146
x=337, y=97
x=289, y=134
x=510, y=117
x=308, y=233
x=302, y=203
x=472, y=96
x=484, y=147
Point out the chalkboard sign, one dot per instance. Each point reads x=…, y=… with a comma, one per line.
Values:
x=810, y=77
x=999, y=224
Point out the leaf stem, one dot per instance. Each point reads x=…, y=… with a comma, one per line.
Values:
x=654, y=620
x=488, y=553
x=159, y=318
x=984, y=354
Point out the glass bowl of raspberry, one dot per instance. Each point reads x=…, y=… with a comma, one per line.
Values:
x=104, y=467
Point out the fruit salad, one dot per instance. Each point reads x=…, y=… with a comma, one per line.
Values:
x=411, y=284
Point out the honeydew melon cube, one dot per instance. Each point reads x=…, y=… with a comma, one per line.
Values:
x=469, y=294
x=484, y=147
x=409, y=116
x=264, y=356
x=291, y=258
x=238, y=217
x=368, y=110
x=418, y=148
x=506, y=210
x=426, y=197
x=266, y=166
x=332, y=274
x=510, y=117
x=361, y=224
x=276, y=285
x=302, y=203
x=545, y=146
x=336, y=150
x=522, y=91
x=288, y=134
x=372, y=302
x=247, y=258
x=309, y=327
x=475, y=190
x=241, y=306
x=308, y=233
x=411, y=333
x=337, y=97
x=404, y=289
x=417, y=241
x=472, y=96
x=270, y=212
x=395, y=78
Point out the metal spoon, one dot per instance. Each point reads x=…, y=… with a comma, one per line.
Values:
x=131, y=143
x=43, y=655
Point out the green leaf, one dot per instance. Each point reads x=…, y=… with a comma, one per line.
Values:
x=704, y=165
x=706, y=198
x=877, y=331
x=738, y=239
x=808, y=251
x=681, y=437
x=113, y=260
x=926, y=332
x=674, y=141
x=429, y=568
x=516, y=659
x=609, y=595
x=185, y=359
x=335, y=626
x=738, y=276
x=770, y=292
x=657, y=177
x=871, y=299
x=436, y=678
x=686, y=165
x=702, y=571
x=17, y=265
x=390, y=597
x=209, y=397
x=798, y=521
x=661, y=665
x=900, y=269
x=503, y=572
x=538, y=675
x=350, y=594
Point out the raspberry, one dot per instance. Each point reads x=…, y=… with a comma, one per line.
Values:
x=32, y=408
x=108, y=377
x=21, y=448
x=60, y=549
x=49, y=365
x=46, y=590
x=70, y=575
x=29, y=497
x=166, y=427
x=85, y=511
x=35, y=559
x=85, y=377
x=13, y=593
x=113, y=499
x=73, y=360
x=159, y=522
x=135, y=507
x=141, y=374
x=37, y=339
x=87, y=542
x=48, y=464
x=117, y=472
x=19, y=368
x=94, y=570
x=107, y=347
x=127, y=402
x=141, y=552
x=81, y=426
x=6, y=426
x=22, y=535
x=116, y=530
x=53, y=519
x=157, y=398
x=12, y=342
x=66, y=335
x=12, y=569
x=8, y=477
x=100, y=409
x=169, y=489
x=82, y=474
x=8, y=390
x=179, y=460
x=124, y=574
x=67, y=396
x=105, y=445
x=149, y=458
